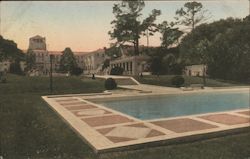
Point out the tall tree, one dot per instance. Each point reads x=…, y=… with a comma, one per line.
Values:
x=127, y=26
x=192, y=14
x=170, y=34
x=68, y=60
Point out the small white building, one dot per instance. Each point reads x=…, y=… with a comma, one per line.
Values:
x=195, y=70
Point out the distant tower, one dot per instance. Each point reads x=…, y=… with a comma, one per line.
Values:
x=37, y=43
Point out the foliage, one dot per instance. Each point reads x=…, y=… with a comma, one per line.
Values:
x=165, y=61
x=9, y=50
x=15, y=68
x=177, y=81
x=67, y=61
x=113, y=52
x=229, y=56
x=170, y=34
x=127, y=27
x=110, y=84
x=192, y=14
x=202, y=36
x=30, y=59
x=3, y=77
x=223, y=46
x=116, y=71
x=76, y=71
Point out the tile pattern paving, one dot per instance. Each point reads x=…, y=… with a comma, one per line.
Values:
x=79, y=107
x=226, y=119
x=106, y=120
x=71, y=103
x=183, y=125
x=129, y=132
x=91, y=112
x=245, y=112
x=116, y=129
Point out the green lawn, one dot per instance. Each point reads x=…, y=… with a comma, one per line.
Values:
x=165, y=80
x=30, y=129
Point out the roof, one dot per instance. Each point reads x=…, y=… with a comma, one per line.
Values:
x=37, y=37
x=196, y=66
x=39, y=51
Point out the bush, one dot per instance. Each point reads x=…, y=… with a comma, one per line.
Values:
x=110, y=84
x=3, y=77
x=76, y=71
x=4, y=80
x=15, y=68
x=116, y=71
x=177, y=81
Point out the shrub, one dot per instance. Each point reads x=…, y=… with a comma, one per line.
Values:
x=4, y=80
x=2, y=77
x=110, y=84
x=116, y=71
x=15, y=68
x=177, y=81
x=76, y=71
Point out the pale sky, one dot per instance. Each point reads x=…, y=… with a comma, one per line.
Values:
x=84, y=25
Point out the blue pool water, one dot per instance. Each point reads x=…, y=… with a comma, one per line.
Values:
x=180, y=105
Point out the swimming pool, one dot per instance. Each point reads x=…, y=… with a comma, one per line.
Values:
x=180, y=105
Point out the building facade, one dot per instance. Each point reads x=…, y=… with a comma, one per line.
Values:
x=195, y=70
x=89, y=61
x=37, y=45
x=132, y=65
x=93, y=61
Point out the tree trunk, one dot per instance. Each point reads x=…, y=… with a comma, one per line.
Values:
x=136, y=46
x=193, y=21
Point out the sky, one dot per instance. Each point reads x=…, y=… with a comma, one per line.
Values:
x=84, y=25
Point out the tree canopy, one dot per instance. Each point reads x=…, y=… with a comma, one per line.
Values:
x=68, y=60
x=9, y=50
x=170, y=34
x=202, y=35
x=222, y=45
x=127, y=26
x=192, y=14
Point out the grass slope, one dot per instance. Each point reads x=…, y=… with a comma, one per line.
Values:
x=165, y=80
x=30, y=129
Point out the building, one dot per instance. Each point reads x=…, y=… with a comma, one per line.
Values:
x=37, y=45
x=57, y=57
x=91, y=62
x=132, y=65
x=195, y=70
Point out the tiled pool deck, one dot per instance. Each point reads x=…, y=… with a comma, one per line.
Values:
x=106, y=129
